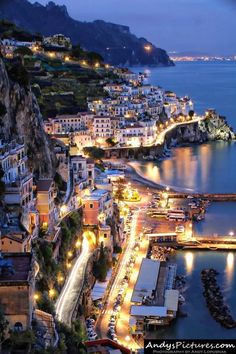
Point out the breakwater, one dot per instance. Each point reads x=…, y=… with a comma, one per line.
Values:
x=214, y=299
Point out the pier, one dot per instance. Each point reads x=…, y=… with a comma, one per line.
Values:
x=214, y=197
x=210, y=242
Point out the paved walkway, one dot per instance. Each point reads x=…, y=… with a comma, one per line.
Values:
x=68, y=297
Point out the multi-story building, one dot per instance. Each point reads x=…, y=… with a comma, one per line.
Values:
x=46, y=194
x=68, y=123
x=18, y=180
x=15, y=242
x=102, y=127
x=58, y=40
x=17, y=277
x=98, y=204
x=137, y=134
x=83, y=172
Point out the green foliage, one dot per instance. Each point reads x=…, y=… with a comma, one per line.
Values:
x=2, y=184
x=117, y=249
x=18, y=73
x=3, y=326
x=21, y=341
x=3, y=109
x=72, y=337
x=45, y=304
x=90, y=57
x=94, y=152
x=59, y=181
x=22, y=51
x=110, y=142
x=191, y=113
x=10, y=30
x=101, y=266
x=119, y=193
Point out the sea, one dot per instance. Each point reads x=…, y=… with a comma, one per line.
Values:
x=209, y=167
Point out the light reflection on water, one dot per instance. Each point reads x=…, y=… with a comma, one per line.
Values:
x=207, y=168
x=189, y=262
x=229, y=269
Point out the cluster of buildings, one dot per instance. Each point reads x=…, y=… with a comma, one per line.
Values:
x=130, y=116
x=154, y=300
x=56, y=46
x=32, y=205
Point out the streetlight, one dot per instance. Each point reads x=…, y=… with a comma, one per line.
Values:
x=231, y=233
x=52, y=293
x=148, y=48
x=69, y=254
x=36, y=296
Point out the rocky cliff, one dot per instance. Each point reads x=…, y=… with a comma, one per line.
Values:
x=114, y=42
x=20, y=117
x=214, y=127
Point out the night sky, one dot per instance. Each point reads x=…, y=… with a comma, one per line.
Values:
x=203, y=26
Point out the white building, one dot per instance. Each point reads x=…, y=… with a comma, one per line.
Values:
x=68, y=123
x=18, y=180
x=102, y=127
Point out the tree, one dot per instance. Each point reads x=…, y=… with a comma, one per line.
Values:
x=101, y=266
x=94, y=152
x=110, y=142
x=119, y=193
x=18, y=73
x=77, y=52
x=93, y=58
x=3, y=327
x=191, y=113
x=22, y=51
x=2, y=184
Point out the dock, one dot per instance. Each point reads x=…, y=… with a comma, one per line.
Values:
x=214, y=197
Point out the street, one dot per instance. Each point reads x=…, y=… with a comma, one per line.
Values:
x=67, y=299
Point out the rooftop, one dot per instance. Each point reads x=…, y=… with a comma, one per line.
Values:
x=147, y=279
x=154, y=311
x=21, y=265
x=44, y=185
x=96, y=194
x=171, y=299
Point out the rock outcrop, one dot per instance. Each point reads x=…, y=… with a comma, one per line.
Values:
x=20, y=118
x=214, y=127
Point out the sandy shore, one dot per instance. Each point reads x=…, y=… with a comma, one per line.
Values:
x=133, y=175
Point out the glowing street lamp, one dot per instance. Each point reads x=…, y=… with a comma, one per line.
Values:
x=78, y=243
x=36, y=296
x=148, y=48
x=68, y=265
x=52, y=293
x=231, y=233
x=60, y=278
x=69, y=254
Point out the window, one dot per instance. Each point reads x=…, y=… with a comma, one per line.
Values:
x=91, y=206
x=105, y=235
x=18, y=327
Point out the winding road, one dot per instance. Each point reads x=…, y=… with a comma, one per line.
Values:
x=68, y=297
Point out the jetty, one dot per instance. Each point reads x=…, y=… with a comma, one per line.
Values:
x=214, y=299
x=214, y=197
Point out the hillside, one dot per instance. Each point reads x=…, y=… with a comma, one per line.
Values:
x=114, y=42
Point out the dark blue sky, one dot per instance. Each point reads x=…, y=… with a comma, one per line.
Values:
x=207, y=26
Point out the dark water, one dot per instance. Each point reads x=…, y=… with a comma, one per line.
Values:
x=209, y=168
x=199, y=323
x=205, y=168
x=209, y=84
